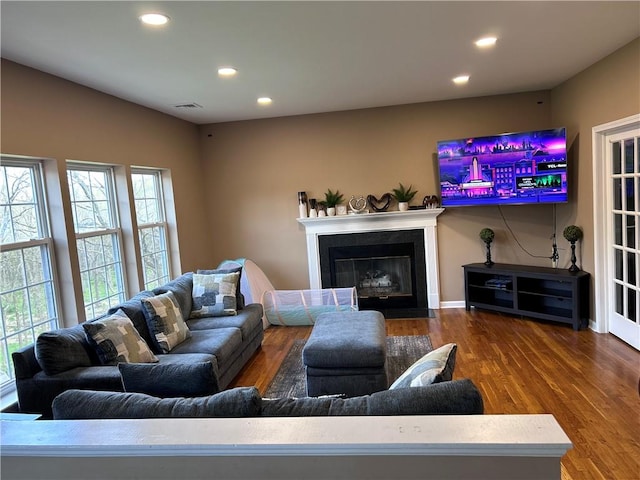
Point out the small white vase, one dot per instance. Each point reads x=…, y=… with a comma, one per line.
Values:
x=403, y=206
x=331, y=211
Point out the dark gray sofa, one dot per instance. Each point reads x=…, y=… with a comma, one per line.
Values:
x=63, y=359
x=455, y=397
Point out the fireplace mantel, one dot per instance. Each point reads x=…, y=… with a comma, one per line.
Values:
x=424, y=219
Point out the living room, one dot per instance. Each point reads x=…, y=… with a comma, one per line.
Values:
x=235, y=183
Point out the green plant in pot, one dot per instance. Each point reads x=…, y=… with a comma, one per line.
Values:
x=404, y=195
x=573, y=233
x=487, y=235
x=331, y=199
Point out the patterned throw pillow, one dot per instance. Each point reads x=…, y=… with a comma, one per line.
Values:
x=436, y=366
x=116, y=340
x=239, y=296
x=214, y=295
x=165, y=322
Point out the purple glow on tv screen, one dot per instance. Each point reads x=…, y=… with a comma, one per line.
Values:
x=512, y=168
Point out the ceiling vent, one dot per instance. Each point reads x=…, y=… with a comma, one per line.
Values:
x=188, y=105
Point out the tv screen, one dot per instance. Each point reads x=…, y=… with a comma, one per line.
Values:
x=511, y=168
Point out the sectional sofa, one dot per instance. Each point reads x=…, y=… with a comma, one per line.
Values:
x=215, y=347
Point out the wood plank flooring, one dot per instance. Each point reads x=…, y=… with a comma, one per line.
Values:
x=588, y=381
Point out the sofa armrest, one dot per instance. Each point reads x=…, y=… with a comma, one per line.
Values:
x=25, y=363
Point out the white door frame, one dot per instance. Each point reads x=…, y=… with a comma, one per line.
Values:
x=601, y=228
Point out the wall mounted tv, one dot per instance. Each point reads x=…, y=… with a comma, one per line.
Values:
x=506, y=169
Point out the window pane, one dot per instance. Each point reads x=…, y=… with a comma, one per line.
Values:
x=616, y=156
x=98, y=253
x=153, y=244
x=27, y=293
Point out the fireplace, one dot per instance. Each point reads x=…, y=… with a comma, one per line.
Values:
x=387, y=269
x=378, y=259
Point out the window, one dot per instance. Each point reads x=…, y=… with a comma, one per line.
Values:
x=152, y=227
x=98, y=238
x=27, y=287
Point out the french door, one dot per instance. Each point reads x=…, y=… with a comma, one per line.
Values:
x=621, y=253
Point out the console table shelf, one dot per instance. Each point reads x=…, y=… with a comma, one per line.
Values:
x=538, y=292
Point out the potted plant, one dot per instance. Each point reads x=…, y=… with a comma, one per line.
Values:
x=332, y=199
x=404, y=196
x=487, y=235
x=573, y=233
x=322, y=208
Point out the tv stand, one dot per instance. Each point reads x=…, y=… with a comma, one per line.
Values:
x=539, y=292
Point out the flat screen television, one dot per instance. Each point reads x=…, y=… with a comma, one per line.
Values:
x=506, y=169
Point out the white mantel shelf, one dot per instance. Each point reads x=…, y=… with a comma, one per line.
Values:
x=371, y=221
x=423, y=219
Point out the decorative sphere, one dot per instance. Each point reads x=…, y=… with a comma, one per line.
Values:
x=572, y=233
x=487, y=235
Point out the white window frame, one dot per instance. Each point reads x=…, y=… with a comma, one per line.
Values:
x=44, y=242
x=96, y=306
x=160, y=224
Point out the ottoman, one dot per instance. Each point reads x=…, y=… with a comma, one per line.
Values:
x=346, y=354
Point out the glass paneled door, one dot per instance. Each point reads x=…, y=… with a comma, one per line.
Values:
x=623, y=152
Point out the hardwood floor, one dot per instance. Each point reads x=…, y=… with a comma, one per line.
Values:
x=588, y=381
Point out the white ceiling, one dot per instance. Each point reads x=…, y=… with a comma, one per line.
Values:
x=311, y=56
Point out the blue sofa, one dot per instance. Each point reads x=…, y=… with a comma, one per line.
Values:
x=64, y=359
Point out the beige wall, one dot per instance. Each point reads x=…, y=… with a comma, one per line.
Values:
x=607, y=91
x=45, y=116
x=257, y=168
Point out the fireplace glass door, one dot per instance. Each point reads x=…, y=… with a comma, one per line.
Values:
x=376, y=277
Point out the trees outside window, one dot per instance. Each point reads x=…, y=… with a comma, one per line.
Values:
x=152, y=226
x=28, y=289
x=98, y=237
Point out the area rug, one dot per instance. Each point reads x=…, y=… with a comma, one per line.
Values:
x=402, y=352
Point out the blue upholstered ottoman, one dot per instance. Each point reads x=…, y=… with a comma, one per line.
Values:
x=346, y=353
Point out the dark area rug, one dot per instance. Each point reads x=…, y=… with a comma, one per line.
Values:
x=402, y=352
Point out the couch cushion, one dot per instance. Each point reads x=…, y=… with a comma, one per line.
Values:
x=436, y=366
x=247, y=320
x=86, y=404
x=169, y=379
x=116, y=340
x=61, y=350
x=458, y=397
x=164, y=319
x=181, y=288
x=239, y=296
x=214, y=295
x=224, y=343
x=133, y=309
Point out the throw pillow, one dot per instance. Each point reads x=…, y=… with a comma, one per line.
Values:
x=165, y=322
x=214, y=295
x=60, y=350
x=436, y=366
x=239, y=295
x=169, y=379
x=116, y=340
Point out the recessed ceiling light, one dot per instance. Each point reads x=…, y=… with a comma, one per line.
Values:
x=264, y=101
x=227, y=71
x=154, y=19
x=461, y=79
x=486, y=42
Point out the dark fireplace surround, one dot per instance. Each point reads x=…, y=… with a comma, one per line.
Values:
x=388, y=269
